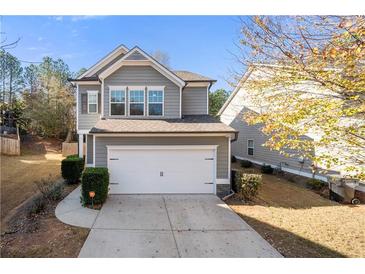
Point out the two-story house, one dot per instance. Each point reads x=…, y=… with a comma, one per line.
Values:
x=150, y=127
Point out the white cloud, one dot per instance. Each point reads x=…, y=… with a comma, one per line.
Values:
x=58, y=18
x=40, y=38
x=84, y=17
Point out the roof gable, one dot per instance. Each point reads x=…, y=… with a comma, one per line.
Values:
x=117, y=52
x=136, y=56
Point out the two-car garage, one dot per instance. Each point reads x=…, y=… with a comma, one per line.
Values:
x=162, y=169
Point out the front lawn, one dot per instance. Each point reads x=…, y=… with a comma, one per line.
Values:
x=40, y=159
x=301, y=223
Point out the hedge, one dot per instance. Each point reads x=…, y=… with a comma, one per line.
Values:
x=247, y=185
x=246, y=163
x=267, y=169
x=95, y=179
x=71, y=168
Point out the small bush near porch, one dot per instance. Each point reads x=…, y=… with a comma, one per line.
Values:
x=95, y=179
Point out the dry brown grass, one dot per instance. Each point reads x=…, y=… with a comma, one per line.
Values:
x=301, y=223
x=18, y=174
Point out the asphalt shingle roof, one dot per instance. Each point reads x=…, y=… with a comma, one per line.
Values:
x=189, y=124
x=191, y=76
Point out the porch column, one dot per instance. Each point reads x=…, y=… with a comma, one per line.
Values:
x=81, y=145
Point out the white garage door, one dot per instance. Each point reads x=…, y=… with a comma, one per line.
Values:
x=161, y=169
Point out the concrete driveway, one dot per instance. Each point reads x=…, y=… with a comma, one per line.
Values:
x=172, y=226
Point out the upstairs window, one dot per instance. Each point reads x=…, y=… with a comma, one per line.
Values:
x=250, y=147
x=136, y=101
x=92, y=101
x=117, y=101
x=155, y=101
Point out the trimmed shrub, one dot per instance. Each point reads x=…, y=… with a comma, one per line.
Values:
x=95, y=179
x=233, y=159
x=246, y=163
x=267, y=169
x=71, y=168
x=75, y=156
x=247, y=185
x=315, y=184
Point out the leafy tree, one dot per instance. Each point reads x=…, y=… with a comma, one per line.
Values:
x=216, y=100
x=309, y=78
x=11, y=77
x=51, y=107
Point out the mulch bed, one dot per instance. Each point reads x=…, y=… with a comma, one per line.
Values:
x=41, y=235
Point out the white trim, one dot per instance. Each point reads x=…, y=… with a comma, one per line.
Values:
x=170, y=75
x=92, y=92
x=163, y=134
x=83, y=131
x=208, y=100
x=290, y=170
x=215, y=170
x=87, y=82
x=108, y=58
x=180, y=102
x=223, y=181
x=161, y=147
x=81, y=145
x=120, y=88
x=253, y=147
x=229, y=158
x=197, y=84
x=102, y=98
x=77, y=107
x=156, y=88
x=94, y=160
x=85, y=149
x=136, y=88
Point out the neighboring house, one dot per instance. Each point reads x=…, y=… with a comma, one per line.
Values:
x=150, y=127
x=250, y=141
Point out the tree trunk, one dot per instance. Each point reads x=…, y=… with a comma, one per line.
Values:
x=69, y=136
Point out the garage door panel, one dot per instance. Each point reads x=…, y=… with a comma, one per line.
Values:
x=161, y=171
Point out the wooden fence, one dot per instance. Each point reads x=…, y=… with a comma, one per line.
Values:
x=9, y=146
x=69, y=149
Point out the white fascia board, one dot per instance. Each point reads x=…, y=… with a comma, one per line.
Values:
x=160, y=68
x=104, y=61
x=80, y=83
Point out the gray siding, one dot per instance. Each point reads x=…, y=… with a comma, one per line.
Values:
x=136, y=56
x=144, y=76
x=86, y=121
x=89, y=149
x=222, y=151
x=261, y=153
x=194, y=101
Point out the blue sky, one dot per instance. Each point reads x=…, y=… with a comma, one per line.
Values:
x=202, y=44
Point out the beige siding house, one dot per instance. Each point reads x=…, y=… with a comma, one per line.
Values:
x=150, y=127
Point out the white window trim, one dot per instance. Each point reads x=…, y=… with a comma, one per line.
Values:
x=92, y=92
x=133, y=88
x=253, y=147
x=156, y=88
x=111, y=88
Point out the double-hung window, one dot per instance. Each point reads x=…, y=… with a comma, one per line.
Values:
x=117, y=100
x=250, y=147
x=92, y=101
x=155, y=101
x=136, y=101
